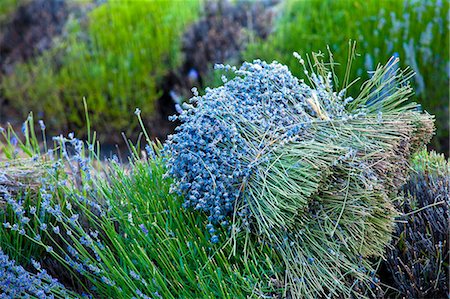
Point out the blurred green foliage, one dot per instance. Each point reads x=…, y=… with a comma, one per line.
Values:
x=6, y=8
x=430, y=162
x=116, y=57
x=416, y=31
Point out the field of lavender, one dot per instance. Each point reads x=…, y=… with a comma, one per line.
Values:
x=277, y=149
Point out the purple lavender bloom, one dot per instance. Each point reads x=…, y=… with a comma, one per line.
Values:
x=13, y=141
x=16, y=282
x=144, y=229
x=41, y=124
x=192, y=75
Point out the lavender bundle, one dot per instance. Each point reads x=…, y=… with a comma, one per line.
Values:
x=300, y=166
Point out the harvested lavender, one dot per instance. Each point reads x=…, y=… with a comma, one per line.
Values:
x=305, y=168
x=252, y=115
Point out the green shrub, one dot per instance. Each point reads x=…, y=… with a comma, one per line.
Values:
x=430, y=163
x=413, y=30
x=116, y=59
x=6, y=8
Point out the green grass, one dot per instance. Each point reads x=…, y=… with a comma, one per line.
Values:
x=7, y=7
x=117, y=58
x=380, y=28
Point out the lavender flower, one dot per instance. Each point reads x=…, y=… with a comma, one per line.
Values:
x=16, y=282
x=144, y=229
x=420, y=248
x=41, y=125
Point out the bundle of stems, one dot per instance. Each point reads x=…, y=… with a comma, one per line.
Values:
x=326, y=200
x=311, y=171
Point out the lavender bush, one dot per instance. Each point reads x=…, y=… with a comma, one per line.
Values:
x=16, y=282
x=303, y=167
x=418, y=257
x=83, y=223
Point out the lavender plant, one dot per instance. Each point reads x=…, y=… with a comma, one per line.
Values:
x=16, y=282
x=418, y=257
x=120, y=234
x=309, y=173
x=305, y=168
x=21, y=172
